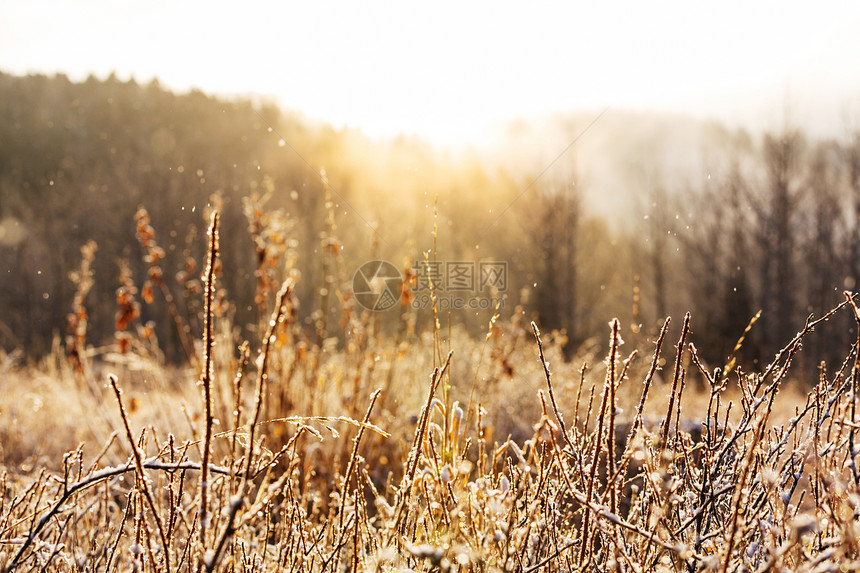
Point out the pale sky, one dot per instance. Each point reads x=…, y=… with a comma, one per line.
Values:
x=448, y=70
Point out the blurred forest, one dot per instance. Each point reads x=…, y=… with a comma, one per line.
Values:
x=764, y=223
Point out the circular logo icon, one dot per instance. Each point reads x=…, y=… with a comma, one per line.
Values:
x=377, y=285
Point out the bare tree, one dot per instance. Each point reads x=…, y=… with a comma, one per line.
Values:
x=552, y=223
x=824, y=259
x=777, y=206
x=852, y=154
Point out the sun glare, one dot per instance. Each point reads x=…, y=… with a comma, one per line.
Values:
x=452, y=71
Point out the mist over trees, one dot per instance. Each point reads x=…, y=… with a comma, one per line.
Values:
x=767, y=223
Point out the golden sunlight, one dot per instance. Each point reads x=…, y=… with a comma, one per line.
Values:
x=451, y=71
